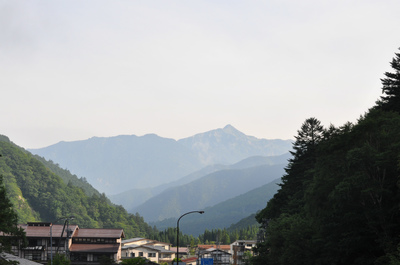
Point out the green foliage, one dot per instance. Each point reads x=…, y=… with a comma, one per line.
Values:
x=175, y=260
x=247, y=255
x=134, y=261
x=223, y=236
x=38, y=194
x=106, y=260
x=61, y=259
x=391, y=87
x=339, y=201
x=8, y=222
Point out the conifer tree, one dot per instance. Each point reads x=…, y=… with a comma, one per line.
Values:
x=391, y=87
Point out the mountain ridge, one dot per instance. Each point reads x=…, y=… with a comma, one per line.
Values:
x=207, y=191
x=228, y=213
x=120, y=163
x=133, y=198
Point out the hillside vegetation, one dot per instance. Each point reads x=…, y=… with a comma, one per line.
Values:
x=339, y=199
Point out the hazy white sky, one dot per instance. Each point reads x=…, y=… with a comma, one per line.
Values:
x=70, y=70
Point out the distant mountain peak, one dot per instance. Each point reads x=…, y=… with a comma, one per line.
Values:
x=230, y=129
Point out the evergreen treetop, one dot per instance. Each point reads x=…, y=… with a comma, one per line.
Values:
x=391, y=87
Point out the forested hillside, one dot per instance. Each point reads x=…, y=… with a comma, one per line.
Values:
x=339, y=201
x=38, y=194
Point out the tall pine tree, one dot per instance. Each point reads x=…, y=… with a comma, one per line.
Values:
x=391, y=87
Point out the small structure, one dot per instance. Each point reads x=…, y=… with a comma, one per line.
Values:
x=183, y=252
x=219, y=256
x=90, y=245
x=238, y=248
x=152, y=250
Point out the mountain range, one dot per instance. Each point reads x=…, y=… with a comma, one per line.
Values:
x=117, y=164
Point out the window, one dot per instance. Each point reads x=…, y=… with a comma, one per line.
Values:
x=132, y=255
x=140, y=254
x=152, y=255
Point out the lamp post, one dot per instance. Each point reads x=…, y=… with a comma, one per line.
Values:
x=177, y=233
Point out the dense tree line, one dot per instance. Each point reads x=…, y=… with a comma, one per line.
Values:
x=214, y=236
x=339, y=201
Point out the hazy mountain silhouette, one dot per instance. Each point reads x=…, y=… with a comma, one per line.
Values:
x=121, y=163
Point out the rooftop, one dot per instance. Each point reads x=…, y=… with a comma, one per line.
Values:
x=99, y=233
x=221, y=247
x=132, y=240
x=44, y=231
x=95, y=248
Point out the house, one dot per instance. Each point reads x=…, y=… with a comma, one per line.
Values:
x=152, y=250
x=81, y=245
x=238, y=248
x=220, y=257
x=222, y=247
x=219, y=253
x=89, y=245
x=183, y=251
x=44, y=240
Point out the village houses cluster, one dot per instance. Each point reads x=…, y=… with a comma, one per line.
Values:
x=89, y=246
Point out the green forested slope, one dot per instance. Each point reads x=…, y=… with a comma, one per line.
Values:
x=38, y=194
x=339, y=201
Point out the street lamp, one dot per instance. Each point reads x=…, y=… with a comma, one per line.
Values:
x=177, y=233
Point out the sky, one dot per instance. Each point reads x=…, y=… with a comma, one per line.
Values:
x=72, y=70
